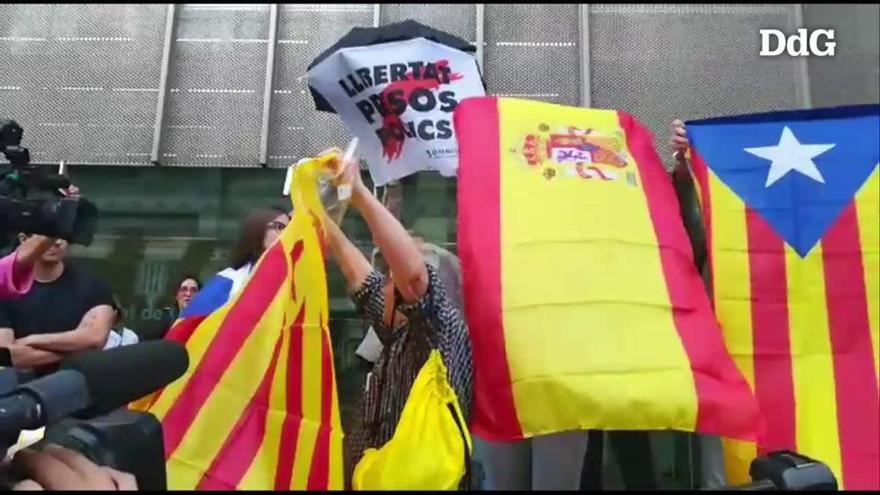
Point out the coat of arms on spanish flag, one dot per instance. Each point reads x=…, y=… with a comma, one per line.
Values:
x=257, y=408
x=791, y=203
x=583, y=302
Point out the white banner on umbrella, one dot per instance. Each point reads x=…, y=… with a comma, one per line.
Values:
x=398, y=99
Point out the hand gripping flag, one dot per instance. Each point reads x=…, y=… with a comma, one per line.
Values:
x=583, y=302
x=257, y=408
x=791, y=202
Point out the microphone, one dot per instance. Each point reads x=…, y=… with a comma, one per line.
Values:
x=93, y=383
x=119, y=376
x=43, y=401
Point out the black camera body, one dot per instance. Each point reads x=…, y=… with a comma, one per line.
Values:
x=72, y=219
x=128, y=441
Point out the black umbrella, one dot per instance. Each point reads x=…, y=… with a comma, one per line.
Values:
x=399, y=31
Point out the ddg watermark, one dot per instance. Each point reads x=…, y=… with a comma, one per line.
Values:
x=818, y=42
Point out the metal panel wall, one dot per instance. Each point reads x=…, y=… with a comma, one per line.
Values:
x=216, y=78
x=532, y=52
x=852, y=75
x=664, y=61
x=455, y=18
x=304, y=31
x=81, y=79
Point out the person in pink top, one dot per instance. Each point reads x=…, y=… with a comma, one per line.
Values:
x=17, y=268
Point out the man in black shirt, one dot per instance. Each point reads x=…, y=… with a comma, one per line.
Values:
x=66, y=310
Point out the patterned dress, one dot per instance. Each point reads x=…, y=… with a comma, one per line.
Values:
x=432, y=322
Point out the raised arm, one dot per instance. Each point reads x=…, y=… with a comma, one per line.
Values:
x=354, y=265
x=30, y=250
x=364, y=283
x=394, y=242
x=686, y=193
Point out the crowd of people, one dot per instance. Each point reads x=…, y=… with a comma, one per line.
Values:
x=410, y=304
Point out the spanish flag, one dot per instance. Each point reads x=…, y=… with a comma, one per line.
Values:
x=257, y=408
x=791, y=202
x=582, y=299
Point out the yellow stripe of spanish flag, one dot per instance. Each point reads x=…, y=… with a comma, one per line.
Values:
x=559, y=288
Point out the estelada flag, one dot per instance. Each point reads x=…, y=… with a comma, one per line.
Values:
x=257, y=408
x=582, y=299
x=791, y=202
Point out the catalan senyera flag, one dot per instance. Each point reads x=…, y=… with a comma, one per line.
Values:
x=791, y=202
x=257, y=408
x=583, y=302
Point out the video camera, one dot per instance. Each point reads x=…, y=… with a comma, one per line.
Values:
x=81, y=407
x=785, y=470
x=72, y=219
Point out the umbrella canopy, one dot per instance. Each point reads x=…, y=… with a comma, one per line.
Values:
x=399, y=31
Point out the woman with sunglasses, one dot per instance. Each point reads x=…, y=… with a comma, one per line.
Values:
x=260, y=228
x=186, y=290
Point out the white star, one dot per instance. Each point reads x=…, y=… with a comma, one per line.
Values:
x=790, y=155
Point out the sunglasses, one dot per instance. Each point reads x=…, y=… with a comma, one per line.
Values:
x=276, y=225
x=187, y=290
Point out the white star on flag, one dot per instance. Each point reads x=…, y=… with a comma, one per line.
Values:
x=790, y=155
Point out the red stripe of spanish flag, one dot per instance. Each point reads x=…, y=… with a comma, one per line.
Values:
x=479, y=208
x=718, y=382
x=731, y=291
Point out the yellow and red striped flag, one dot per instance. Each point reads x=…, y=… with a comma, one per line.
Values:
x=791, y=203
x=582, y=299
x=257, y=408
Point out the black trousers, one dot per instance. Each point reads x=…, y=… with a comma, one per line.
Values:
x=632, y=450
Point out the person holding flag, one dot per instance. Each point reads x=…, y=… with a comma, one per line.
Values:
x=257, y=407
x=711, y=453
x=410, y=311
x=789, y=203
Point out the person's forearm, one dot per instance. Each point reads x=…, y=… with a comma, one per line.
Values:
x=354, y=265
x=28, y=357
x=72, y=341
x=689, y=208
x=400, y=251
x=30, y=251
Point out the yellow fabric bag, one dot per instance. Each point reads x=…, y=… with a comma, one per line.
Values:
x=431, y=447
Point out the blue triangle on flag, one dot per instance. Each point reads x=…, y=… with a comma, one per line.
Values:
x=798, y=170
